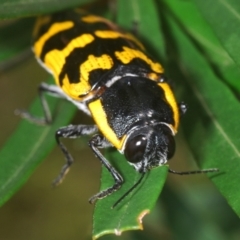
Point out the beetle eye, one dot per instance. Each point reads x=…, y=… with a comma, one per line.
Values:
x=135, y=149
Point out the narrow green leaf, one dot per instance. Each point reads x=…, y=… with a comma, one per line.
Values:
x=197, y=27
x=148, y=26
x=224, y=18
x=23, y=8
x=211, y=124
x=15, y=40
x=195, y=208
x=129, y=213
x=28, y=146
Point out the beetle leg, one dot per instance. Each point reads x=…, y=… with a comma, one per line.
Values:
x=42, y=89
x=71, y=131
x=96, y=142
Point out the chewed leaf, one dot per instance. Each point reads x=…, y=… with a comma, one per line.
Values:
x=129, y=213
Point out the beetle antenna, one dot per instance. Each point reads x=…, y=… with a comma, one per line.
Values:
x=129, y=190
x=194, y=172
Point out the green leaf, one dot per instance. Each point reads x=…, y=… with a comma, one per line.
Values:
x=211, y=124
x=224, y=18
x=198, y=28
x=129, y=213
x=29, y=145
x=144, y=14
x=195, y=208
x=23, y=8
x=15, y=41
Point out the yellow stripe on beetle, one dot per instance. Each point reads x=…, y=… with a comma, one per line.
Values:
x=56, y=59
x=44, y=20
x=128, y=54
x=172, y=102
x=113, y=34
x=78, y=90
x=53, y=30
x=100, y=119
x=93, y=63
x=95, y=19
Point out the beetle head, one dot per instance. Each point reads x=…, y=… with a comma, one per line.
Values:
x=149, y=146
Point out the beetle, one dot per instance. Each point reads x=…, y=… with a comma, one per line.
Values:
x=107, y=73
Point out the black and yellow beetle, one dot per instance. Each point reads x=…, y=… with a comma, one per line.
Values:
x=107, y=73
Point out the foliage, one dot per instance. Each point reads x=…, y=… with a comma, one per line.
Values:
x=198, y=43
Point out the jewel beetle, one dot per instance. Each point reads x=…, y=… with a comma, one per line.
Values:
x=107, y=73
